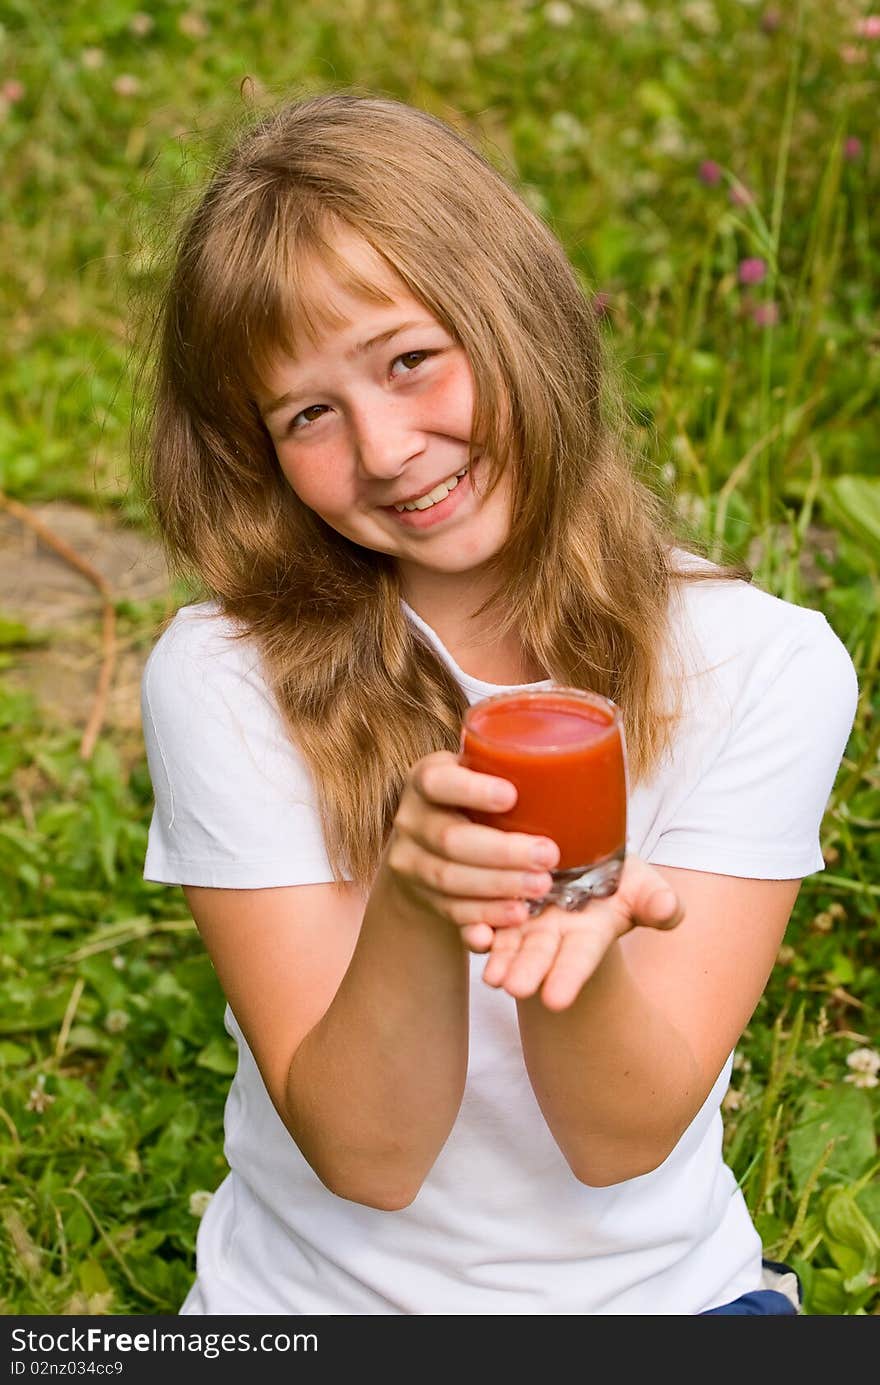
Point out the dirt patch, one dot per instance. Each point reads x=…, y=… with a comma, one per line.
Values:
x=55, y=601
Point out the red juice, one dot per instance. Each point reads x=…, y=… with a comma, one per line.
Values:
x=563, y=749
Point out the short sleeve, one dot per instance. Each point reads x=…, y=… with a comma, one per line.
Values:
x=756, y=808
x=234, y=802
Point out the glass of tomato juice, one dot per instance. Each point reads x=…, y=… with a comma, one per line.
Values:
x=563, y=748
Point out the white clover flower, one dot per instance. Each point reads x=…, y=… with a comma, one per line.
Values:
x=92, y=58
x=490, y=44
x=692, y=508
x=628, y=14
x=702, y=16
x=193, y=24
x=456, y=50
x=535, y=199
x=198, y=1202
x=141, y=24
x=865, y=1065
x=645, y=180
x=126, y=84
x=669, y=138
x=864, y=1060
x=39, y=1099
x=565, y=124
x=862, y=1079
x=558, y=14
x=115, y=1021
x=733, y=1100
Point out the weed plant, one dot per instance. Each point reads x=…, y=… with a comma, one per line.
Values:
x=710, y=168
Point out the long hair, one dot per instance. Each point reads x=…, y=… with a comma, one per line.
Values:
x=362, y=695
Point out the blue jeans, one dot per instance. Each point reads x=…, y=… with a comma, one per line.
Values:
x=761, y=1302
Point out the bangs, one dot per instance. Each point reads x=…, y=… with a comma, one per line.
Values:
x=288, y=306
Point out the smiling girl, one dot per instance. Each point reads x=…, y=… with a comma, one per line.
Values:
x=384, y=444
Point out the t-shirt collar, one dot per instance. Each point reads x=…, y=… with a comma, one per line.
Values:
x=474, y=688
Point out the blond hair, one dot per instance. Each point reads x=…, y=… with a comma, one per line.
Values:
x=361, y=693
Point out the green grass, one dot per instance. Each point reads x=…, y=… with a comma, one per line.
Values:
x=113, y=1060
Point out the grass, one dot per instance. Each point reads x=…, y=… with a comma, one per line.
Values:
x=755, y=402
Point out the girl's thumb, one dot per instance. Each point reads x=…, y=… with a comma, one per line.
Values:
x=662, y=908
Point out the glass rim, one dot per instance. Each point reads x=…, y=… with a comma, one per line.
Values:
x=538, y=695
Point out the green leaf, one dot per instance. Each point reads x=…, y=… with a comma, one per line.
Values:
x=843, y=1114
x=656, y=99
x=78, y=1228
x=854, y=501
x=15, y=635
x=848, y=1223
x=868, y=1200
x=12, y=1055
x=220, y=1055
x=827, y=1294
x=841, y=972
x=105, y=818
x=850, y=1263
x=860, y=1281
x=92, y=1278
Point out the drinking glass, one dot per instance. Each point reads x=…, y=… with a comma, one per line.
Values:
x=564, y=750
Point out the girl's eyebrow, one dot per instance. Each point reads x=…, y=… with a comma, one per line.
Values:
x=274, y=406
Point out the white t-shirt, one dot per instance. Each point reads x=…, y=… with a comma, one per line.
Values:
x=501, y=1226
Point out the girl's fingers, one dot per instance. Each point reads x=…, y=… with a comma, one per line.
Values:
x=456, y=879
x=479, y=913
x=661, y=909
x=441, y=785
x=533, y=961
x=578, y=957
x=477, y=937
x=557, y=952
x=454, y=837
x=550, y=955
x=645, y=897
x=441, y=780
x=505, y=947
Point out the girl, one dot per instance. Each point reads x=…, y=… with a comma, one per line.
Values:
x=383, y=441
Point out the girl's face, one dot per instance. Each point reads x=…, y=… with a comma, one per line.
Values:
x=371, y=427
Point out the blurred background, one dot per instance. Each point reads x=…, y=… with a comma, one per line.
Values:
x=711, y=167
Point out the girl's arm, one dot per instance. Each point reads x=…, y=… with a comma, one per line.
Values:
x=355, y=1007
x=356, y=1015
x=621, y=1071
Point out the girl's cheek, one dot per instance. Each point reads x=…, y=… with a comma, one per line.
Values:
x=453, y=396
x=319, y=483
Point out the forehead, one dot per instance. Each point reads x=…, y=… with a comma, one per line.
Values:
x=336, y=280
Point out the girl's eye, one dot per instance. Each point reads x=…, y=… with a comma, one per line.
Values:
x=294, y=427
x=412, y=359
x=409, y=355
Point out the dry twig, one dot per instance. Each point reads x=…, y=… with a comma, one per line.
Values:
x=108, y=630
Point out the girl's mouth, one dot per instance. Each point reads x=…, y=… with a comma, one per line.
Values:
x=438, y=510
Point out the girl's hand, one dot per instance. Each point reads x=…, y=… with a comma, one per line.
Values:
x=473, y=876
x=558, y=951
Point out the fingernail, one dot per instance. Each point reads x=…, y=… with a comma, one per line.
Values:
x=503, y=797
x=544, y=854
x=538, y=883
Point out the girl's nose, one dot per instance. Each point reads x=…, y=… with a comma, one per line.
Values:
x=385, y=439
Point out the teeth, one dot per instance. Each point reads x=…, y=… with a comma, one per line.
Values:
x=433, y=497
